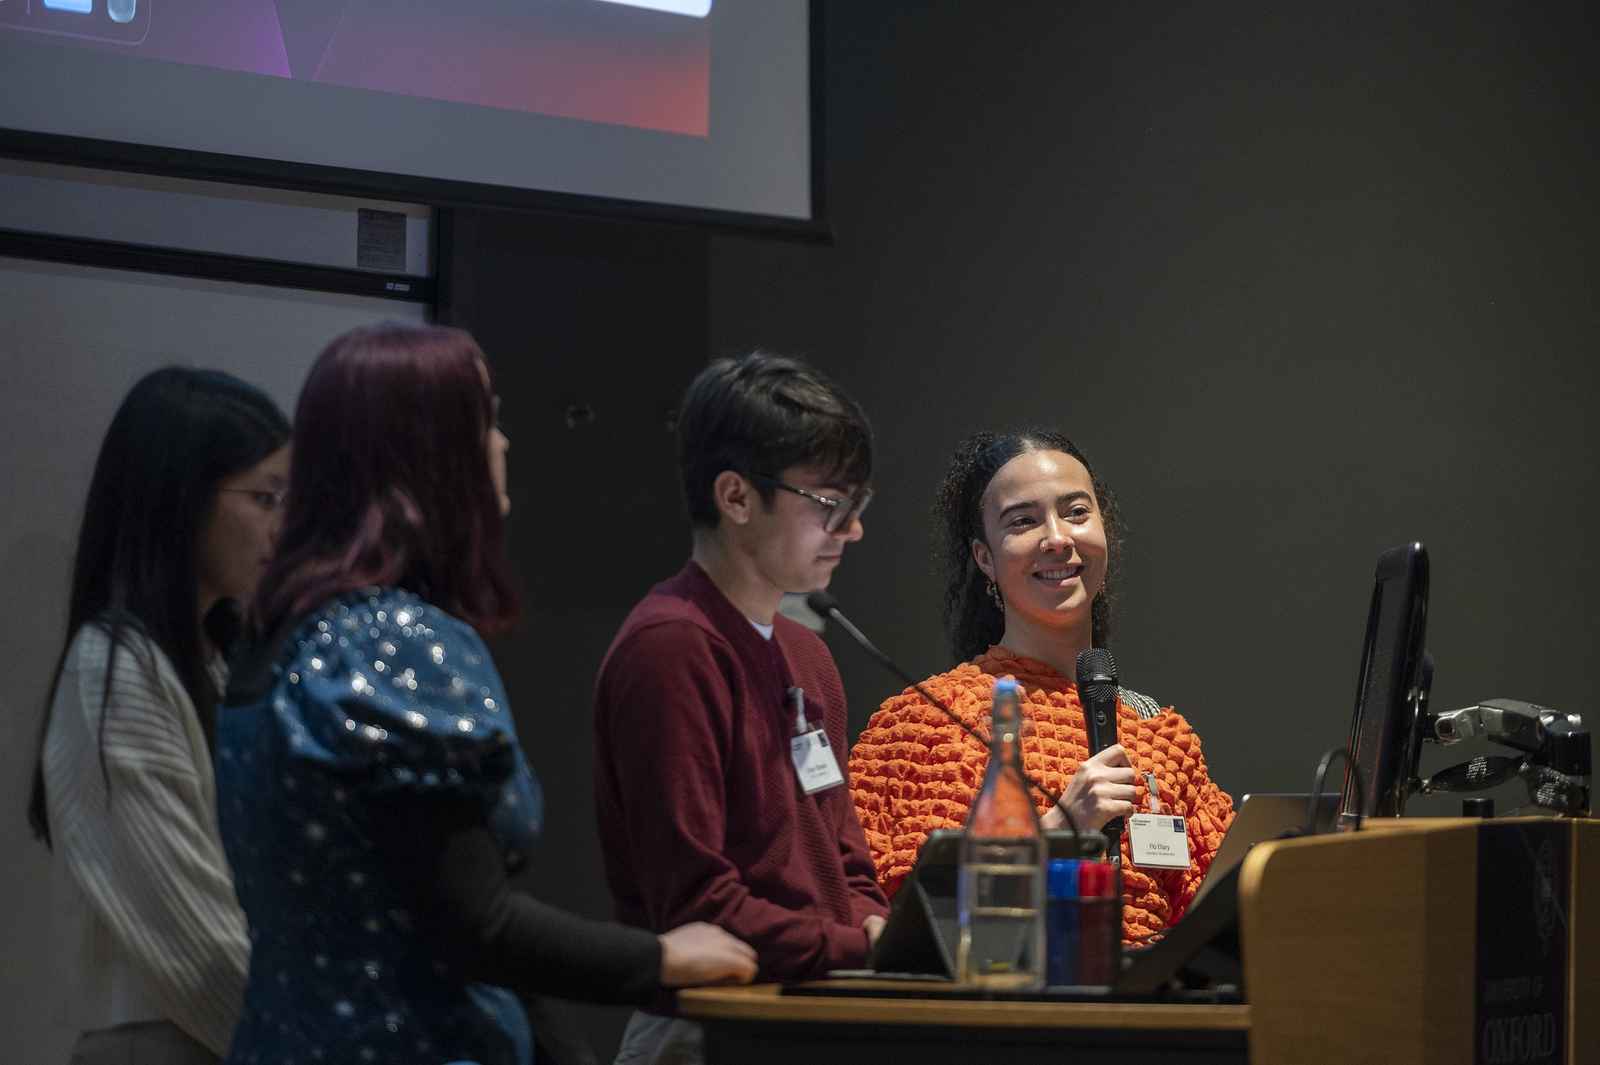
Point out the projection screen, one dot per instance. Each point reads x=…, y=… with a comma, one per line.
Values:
x=645, y=106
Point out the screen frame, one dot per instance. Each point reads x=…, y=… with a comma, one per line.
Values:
x=1388, y=710
x=440, y=192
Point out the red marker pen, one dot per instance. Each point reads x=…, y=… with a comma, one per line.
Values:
x=1100, y=923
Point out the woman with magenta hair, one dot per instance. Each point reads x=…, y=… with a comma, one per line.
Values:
x=372, y=793
x=1029, y=538
x=178, y=526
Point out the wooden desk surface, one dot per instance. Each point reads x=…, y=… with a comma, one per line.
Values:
x=764, y=1002
x=1358, y=948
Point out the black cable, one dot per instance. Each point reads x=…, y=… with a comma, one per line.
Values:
x=1321, y=778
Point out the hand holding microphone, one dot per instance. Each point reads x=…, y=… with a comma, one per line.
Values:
x=1102, y=790
x=1107, y=778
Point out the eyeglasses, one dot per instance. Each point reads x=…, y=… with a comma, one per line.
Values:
x=839, y=512
x=267, y=500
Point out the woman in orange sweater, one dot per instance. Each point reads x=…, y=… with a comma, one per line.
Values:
x=1030, y=537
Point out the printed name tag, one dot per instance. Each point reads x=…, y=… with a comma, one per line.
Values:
x=1159, y=840
x=814, y=763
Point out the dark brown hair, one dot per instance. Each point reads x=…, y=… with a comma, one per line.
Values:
x=762, y=414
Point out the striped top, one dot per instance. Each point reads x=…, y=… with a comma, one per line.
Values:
x=146, y=920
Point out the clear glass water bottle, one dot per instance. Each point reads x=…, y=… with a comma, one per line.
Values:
x=1000, y=893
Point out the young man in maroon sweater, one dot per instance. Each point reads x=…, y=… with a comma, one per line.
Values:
x=719, y=724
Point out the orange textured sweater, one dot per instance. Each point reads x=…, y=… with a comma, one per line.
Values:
x=912, y=771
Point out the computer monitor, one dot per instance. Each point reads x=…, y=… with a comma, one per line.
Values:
x=1386, y=732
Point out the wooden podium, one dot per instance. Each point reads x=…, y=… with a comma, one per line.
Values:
x=1359, y=947
x=1368, y=946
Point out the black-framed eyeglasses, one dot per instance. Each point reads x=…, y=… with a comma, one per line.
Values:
x=839, y=513
x=268, y=500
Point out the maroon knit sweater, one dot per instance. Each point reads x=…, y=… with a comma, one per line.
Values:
x=701, y=816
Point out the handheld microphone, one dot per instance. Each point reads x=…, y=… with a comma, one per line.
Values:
x=826, y=606
x=1097, y=691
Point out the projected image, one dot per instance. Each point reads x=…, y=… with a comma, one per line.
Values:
x=639, y=63
x=123, y=22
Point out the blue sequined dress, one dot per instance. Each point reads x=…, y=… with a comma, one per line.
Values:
x=376, y=694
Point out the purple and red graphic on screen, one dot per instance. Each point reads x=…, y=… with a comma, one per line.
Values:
x=593, y=60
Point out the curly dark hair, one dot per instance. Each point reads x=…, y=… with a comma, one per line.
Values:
x=972, y=621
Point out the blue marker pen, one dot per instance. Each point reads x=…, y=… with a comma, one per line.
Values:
x=1061, y=923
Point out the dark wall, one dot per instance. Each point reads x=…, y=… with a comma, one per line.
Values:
x=1305, y=285
x=593, y=329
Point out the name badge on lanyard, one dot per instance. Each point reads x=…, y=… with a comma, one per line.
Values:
x=814, y=764
x=1157, y=840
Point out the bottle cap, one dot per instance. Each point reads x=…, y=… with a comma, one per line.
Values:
x=1007, y=686
x=1095, y=880
x=1062, y=879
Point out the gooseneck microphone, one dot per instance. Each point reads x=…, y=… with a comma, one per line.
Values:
x=1097, y=691
x=826, y=606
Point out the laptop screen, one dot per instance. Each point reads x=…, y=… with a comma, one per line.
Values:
x=1260, y=817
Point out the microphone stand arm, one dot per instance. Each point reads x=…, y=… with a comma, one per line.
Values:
x=827, y=610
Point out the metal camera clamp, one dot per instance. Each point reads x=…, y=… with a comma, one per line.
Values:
x=1554, y=762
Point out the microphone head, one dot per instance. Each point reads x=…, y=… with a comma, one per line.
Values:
x=1095, y=667
x=1097, y=691
x=821, y=603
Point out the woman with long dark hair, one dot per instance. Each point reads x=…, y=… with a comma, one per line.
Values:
x=372, y=792
x=179, y=524
x=1029, y=541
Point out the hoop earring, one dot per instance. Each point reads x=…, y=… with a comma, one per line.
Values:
x=994, y=593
